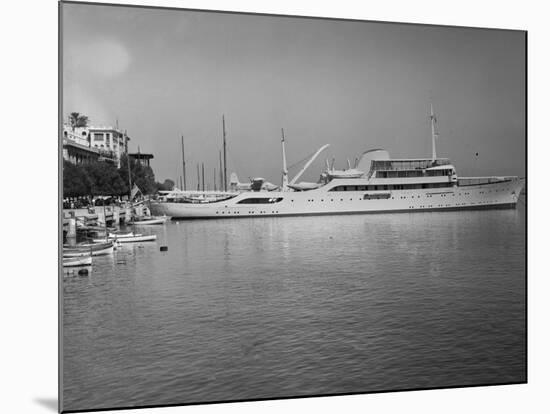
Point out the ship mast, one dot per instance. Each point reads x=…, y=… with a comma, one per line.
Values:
x=433, y=120
x=285, y=170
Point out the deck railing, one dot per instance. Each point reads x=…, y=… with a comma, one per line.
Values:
x=463, y=182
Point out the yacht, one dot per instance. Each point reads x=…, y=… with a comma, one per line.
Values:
x=376, y=184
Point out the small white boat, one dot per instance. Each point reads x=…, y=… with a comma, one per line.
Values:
x=132, y=239
x=122, y=235
x=151, y=220
x=77, y=261
x=82, y=253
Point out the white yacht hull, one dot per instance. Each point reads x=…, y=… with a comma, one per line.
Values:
x=500, y=194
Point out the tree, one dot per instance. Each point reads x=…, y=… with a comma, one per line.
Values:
x=105, y=179
x=167, y=185
x=77, y=120
x=142, y=175
x=144, y=178
x=75, y=181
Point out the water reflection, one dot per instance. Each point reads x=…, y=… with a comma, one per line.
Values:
x=256, y=308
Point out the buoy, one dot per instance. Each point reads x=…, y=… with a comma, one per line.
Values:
x=163, y=248
x=83, y=272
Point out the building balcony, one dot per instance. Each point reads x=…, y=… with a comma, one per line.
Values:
x=107, y=155
x=84, y=145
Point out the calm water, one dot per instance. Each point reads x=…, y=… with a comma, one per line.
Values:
x=270, y=307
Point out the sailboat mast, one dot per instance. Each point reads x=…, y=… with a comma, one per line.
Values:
x=224, y=156
x=285, y=171
x=202, y=166
x=221, y=173
x=434, y=135
x=198, y=178
x=183, y=163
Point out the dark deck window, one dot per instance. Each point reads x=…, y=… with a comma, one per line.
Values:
x=261, y=200
x=390, y=187
x=376, y=196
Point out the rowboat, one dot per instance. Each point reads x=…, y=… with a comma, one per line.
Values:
x=150, y=220
x=132, y=239
x=95, y=249
x=83, y=253
x=87, y=246
x=77, y=261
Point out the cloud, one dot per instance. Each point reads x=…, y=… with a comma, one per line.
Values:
x=103, y=57
x=108, y=58
x=76, y=98
x=87, y=65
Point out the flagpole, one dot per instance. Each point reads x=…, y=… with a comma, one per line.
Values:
x=129, y=176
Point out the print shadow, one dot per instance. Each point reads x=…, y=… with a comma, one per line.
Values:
x=49, y=403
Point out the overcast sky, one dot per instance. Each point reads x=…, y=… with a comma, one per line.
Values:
x=353, y=85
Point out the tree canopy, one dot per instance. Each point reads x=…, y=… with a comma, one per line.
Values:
x=100, y=178
x=167, y=185
x=75, y=181
x=78, y=120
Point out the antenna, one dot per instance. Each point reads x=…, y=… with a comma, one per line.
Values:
x=332, y=165
x=285, y=171
x=349, y=165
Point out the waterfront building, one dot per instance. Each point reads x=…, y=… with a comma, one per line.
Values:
x=94, y=143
